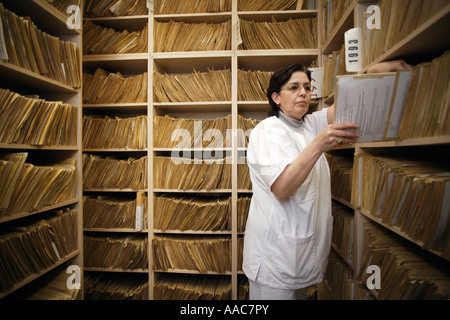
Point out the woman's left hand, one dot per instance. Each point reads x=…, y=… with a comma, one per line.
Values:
x=336, y=134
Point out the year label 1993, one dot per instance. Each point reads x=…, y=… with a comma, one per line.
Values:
x=353, y=50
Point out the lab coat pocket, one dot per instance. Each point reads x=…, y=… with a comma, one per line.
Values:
x=295, y=257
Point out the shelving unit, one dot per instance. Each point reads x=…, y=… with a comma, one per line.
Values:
x=128, y=65
x=25, y=82
x=422, y=44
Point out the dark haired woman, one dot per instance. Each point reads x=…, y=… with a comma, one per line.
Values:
x=288, y=233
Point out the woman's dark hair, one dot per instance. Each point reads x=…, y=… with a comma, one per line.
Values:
x=278, y=79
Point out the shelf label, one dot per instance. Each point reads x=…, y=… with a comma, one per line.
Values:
x=150, y=5
x=316, y=82
x=139, y=217
x=139, y=211
x=238, y=33
x=353, y=50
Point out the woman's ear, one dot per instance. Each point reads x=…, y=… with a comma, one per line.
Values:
x=275, y=97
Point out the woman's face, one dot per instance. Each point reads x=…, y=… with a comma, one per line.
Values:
x=294, y=96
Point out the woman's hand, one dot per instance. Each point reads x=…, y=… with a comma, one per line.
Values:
x=389, y=66
x=336, y=134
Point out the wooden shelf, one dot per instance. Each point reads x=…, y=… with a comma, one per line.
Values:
x=158, y=231
x=32, y=147
x=399, y=232
x=43, y=209
x=114, y=150
x=116, y=270
x=131, y=23
x=422, y=41
x=26, y=81
x=423, y=44
x=115, y=190
x=184, y=271
x=39, y=274
x=194, y=107
x=120, y=107
x=336, y=38
x=192, y=191
x=51, y=21
x=217, y=17
x=115, y=230
x=127, y=64
x=260, y=16
x=44, y=15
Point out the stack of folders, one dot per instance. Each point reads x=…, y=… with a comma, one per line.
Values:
x=100, y=40
x=34, y=247
x=114, y=173
x=332, y=67
x=407, y=273
x=212, y=85
x=113, y=8
x=107, y=132
x=194, y=6
x=290, y=34
x=244, y=174
x=240, y=247
x=343, y=228
x=399, y=19
x=203, y=133
x=252, y=85
x=209, y=253
x=411, y=196
x=113, y=211
x=26, y=187
x=51, y=286
x=341, y=171
x=243, y=206
x=246, y=125
x=332, y=14
x=97, y=87
x=243, y=288
x=192, y=213
x=426, y=110
x=403, y=105
x=24, y=45
x=192, y=287
x=191, y=174
x=35, y=121
x=113, y=286
x=174, y=36
x=274, y=5
x=339, y=278
x=116, y=252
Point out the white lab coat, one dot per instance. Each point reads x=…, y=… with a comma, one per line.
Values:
x=287, y=243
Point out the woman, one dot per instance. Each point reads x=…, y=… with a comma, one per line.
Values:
x=288, y=233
